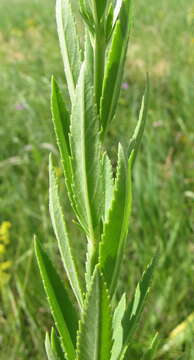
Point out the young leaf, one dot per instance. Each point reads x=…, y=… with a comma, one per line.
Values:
x=61, y=121
x=64, y=242
x=95, y=331
x=118, y=328
x=85, y=150
x=115, y=229
x=99, y=8
x=135, y=307
x=109, y=23
x=69, y=44
x=138, y=133
x=62, y=308
x=56, y=345
x=150, y=353
x=87, y=15
x=115, y=65
x=49, y=351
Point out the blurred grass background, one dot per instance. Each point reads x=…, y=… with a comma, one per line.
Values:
x=162, y=43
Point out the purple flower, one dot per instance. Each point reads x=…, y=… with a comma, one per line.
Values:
x=125, y=85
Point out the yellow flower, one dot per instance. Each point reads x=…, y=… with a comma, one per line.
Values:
x=5, y=265
x=2, y=249
x=4, y=241
x=182, y=326
x=4, y=232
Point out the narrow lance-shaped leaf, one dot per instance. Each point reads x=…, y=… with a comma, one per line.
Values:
x=135, y=307
x=49, y=351
x=115, y=229
x=56, y=345
x=95, y=332
x=61, y=121
x=138, y=133
x=118, y=328
x=64, y=241
x=151, y=352
x=108, y=186
x=69, y=44
x=61, y=306
x=85, y=150
x=115, y=64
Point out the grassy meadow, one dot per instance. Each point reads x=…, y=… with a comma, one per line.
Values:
x=162, y=43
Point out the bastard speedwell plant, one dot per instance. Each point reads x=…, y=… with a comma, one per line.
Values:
x=91, y=322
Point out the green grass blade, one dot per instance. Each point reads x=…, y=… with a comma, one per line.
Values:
x=135, y=307
x=85, y=149
x=95, y=332
x=61, y=307
x=56, y=345
x=61, y=121
x=115, y=229
x=115, y=64
x=64, y=242
x=69, y=44
x=118, y=328
x=138, y=133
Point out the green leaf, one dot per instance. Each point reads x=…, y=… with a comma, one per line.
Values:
x=138, y=133
x=95, y=331
x=89, y=59
x=118, y=328
x=108, y=186
x=109, y=23
x=135, y=307
x=49, y=351
x=100, y=7
x=86, y=152
x=62, y=309
x=115, y=65
x=69, y=44
x=56, y=345
x=64, y=242
x=150, y=353
x=116, y=227
x=61, y=121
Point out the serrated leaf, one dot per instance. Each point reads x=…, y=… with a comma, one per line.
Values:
x=61, y=307
x=64, y=241
x=115, y=65
x=118, y=328
x=95, y=331
x=61, y=122
x=56, y=345
x=69, y=44
x=85, y=150
x=138, y=133
x=135, y=307
x=116, y=227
